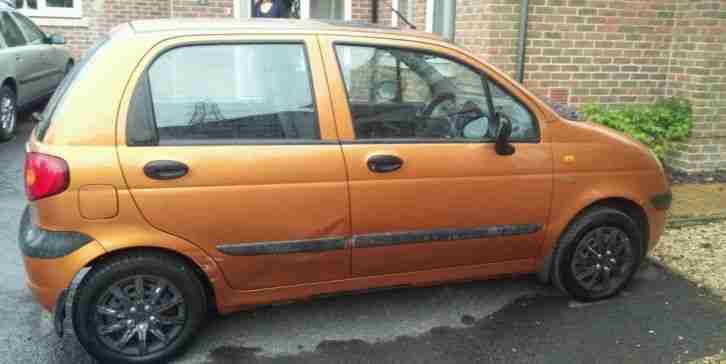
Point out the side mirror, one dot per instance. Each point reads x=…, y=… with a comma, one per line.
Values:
x=504, y=131
x=56, y=39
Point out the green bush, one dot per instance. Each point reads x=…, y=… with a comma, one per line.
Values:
x=657, y=125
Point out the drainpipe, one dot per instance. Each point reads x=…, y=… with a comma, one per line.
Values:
x=374, y=11
x=522, y=38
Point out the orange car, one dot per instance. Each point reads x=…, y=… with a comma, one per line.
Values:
x=196, y=164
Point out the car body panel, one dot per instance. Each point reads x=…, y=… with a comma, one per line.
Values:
x=249, y=194
x=443, y=185
x=35, y=68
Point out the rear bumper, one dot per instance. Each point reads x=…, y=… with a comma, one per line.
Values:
x=47, y=278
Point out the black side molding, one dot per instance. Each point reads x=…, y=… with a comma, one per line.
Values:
x=284, y=247
x=376, y=240
x=429, y=236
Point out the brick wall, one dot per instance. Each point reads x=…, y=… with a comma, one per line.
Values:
x=578, y=51
x=102, y=15
x=698, y=72
x=361, y=10
x=192, y=9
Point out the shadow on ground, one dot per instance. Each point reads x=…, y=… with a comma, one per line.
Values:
x=661, y=319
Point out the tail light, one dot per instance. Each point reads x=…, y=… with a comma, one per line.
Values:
x=45, y=175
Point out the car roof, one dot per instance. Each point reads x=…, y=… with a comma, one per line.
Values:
x=226, y=25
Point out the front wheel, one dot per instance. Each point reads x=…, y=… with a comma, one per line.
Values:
x=8, y=113
x=598, y=254
x=139, y=308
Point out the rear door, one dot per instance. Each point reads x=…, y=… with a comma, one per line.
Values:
x=427, y=188
x=231, y=144
x=50, y=69
x=24, y=59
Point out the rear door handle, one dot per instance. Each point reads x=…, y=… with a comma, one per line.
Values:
x=165, y=169
x=384, y=163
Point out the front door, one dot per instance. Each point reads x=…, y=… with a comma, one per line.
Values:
x=427, y=189
x=233, y=147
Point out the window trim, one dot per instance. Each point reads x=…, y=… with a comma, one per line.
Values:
x=430, y=7
x=46, y=11
x=483, y=74
x=143, y=77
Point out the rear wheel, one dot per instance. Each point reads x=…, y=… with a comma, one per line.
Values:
x=8, y=113
x=598, y=254
x=138, y=308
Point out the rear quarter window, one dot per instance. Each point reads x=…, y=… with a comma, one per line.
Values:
x=68, y=81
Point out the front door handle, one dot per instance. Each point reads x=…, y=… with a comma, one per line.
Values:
x=384, y=163
x=165, y=170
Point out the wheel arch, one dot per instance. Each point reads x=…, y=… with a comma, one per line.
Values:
x=198, y=270
x=9, y=81
x=628, y=206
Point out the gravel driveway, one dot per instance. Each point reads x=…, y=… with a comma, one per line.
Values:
x=698, y=253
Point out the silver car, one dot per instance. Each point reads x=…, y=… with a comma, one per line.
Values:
x=31, y=65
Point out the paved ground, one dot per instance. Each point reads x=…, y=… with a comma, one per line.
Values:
x=661, y=319
x=698, y=201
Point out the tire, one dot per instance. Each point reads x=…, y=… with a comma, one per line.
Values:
x=107, y=298
x=8, y=113
x=589, y=270
x=69, y=67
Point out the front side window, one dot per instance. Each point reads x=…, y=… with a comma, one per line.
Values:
x=226, y=94
x=402, y=94
x=34, y=34
x=11, y=31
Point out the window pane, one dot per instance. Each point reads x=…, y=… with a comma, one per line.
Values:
x=253, y=91
x=11, y=32
x=59, y=3
x=444, y=18
x=401, y=94
x=31, y=30
x=523, y=123
x=29, y=4
x=327, y=9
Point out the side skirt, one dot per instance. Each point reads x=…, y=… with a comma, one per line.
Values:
x=240, y=300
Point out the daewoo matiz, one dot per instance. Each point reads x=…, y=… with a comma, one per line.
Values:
x=196, y=165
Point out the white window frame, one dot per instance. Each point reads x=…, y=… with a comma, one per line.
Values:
x=243, y=9
x=46, y=11
x=430, y=18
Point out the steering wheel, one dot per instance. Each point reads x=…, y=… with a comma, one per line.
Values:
x=435, y=102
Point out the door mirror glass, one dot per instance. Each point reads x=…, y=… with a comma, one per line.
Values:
x=56, y=39
x=504, y=132
x=386, y=91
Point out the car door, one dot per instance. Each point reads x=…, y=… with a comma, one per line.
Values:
x=25, y=63
x=242, y=158
x=427, y=188
x=50, y=67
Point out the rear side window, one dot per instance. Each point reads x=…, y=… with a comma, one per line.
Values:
x=35, y=35
x=58, y=96
x=225, y=94
x=11, y=31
